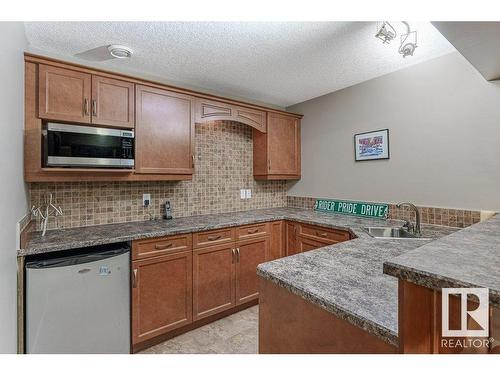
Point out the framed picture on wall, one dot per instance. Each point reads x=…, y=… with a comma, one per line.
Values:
x=372, y=145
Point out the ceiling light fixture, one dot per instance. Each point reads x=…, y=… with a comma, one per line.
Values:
x=120, y=52
x=408, y=41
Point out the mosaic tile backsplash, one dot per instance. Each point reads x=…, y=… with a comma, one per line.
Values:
x=428, y=215
x=224, y=165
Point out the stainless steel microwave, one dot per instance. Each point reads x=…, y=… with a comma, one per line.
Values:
x=77, y=146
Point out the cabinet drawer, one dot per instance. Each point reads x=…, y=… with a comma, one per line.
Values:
x=306, y=244
x=251, y=231
x=159, y=246
x=213, y=237
x=323, y=234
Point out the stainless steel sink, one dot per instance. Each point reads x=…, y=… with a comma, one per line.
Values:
x=391, y=233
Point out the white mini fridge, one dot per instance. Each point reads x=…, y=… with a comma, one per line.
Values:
x=79, y=303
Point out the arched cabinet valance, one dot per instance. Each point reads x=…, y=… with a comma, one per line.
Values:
x=208, y=110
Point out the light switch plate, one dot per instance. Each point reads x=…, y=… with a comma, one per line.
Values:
x=242, y=193
x=249, y=193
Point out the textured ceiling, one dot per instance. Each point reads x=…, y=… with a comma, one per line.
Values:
x=280, y=63
x=477, y=42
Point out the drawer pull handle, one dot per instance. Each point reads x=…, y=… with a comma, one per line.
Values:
x=252, y=231
x=321, y=234
x=134, y=278
x=237, y=254
x=234, y=254
x=163, y=247
x=213, y=238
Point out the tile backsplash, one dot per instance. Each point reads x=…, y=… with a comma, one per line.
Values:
x=224, y=165
x=428, y=215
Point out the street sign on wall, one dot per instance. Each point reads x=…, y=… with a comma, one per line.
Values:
x=367, y=209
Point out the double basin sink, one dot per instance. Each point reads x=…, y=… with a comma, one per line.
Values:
x=392, y=233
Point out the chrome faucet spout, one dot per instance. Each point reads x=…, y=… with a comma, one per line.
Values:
x=417, y=215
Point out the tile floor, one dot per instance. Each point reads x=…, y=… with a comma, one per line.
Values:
x=235, y=334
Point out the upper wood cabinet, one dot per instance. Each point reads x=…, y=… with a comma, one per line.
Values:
x=68, y=95
x=277, y=152
x=63, y=94
x=112, y=102
x=209, y=110
x=164, y=132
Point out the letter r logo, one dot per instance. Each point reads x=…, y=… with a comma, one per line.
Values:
x=480, y=314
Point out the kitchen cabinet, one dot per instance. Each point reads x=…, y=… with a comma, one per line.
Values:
x=164, y=132
x=276, y=240
x=161, y=246
x=161, y=294
x=249, y=254
x=63, y=94
x=209, y=110
x=304, y=237
x=68, y=95
x=213, y=280
x=164, y=115
x=277, y=152
x=306, y=244
x=291, y=245
x=112, y=102
x=328, y=235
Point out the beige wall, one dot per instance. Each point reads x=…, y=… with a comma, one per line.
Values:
x=12, y=190
x=444, y=122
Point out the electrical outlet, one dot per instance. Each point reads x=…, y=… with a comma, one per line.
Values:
x=249, y=193
x=242, y=193
x=146, y=200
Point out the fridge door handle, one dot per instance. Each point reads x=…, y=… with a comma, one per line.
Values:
x=134, y=278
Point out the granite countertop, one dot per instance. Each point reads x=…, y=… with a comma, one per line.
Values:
x=345, y=279
x=466, y=259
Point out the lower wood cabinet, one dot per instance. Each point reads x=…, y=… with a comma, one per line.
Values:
x=305, y=237
x=213, y=280
x=178, y=280
x=249, y=254
x=306, y=244
x=276, y=240
x=291, y=245
x=161, y=294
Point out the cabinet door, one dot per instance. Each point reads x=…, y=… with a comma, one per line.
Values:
x=161, y=295
x=283, y=145
x=112, y=102
x=63, y=94
x=213, y=280
x=164, y=132
x=291, y=239
x=276, y=240
x=249, y=254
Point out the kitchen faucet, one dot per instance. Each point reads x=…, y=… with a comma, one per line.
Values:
x=416, y=229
